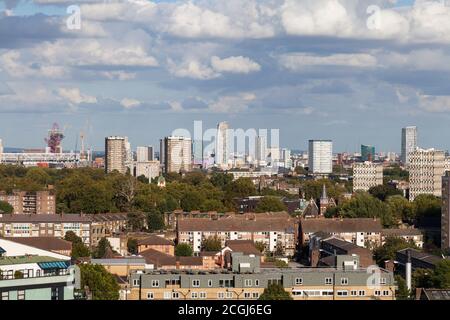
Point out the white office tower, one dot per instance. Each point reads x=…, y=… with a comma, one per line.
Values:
x=367, y=175
x=426, y=169
x=286, y=158
x=409, y=143
x=144, y=154
x=116, y=154
x=261, y=150
x=320, y=156
x=222, y=145
x=273, y=154
x=178, y=154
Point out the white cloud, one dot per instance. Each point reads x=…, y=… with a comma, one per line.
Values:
x=235, y=65
x=129, y=103
x=74, y=96
x=298, y=61
x=192, y=69
x=434, y=103
x=232, y=104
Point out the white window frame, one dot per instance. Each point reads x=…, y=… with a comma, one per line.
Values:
x=344, y=281
x=328, y=281
x=150, y=296
x=298, y=281
x=195, y=283
x=155, y=283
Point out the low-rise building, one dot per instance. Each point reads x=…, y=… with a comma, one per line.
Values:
x=157, y=243
x=407, y=234
x=272, y=229
x=52, y=244
x=123, y=266
x=246, y=281
x=90, y=228
x=363, y=232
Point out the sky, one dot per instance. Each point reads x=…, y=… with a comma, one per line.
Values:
x=354, y=71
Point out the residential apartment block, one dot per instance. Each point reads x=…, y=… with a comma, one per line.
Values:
x=367, y=175
x=445, y=215
x=90, y=228
x=272, y=229
x=24, y=202
x=320, y=155
x=426, y=168
x=177, y=154
x=247, y=281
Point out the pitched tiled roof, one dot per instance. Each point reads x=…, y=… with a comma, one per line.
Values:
x=158, y=258
x=261, y=222
x=55, y=218
x=338, y=225
x=402, y=232
x=44, y=243
x=190, y=261
x=244, y=246
x=155, y=240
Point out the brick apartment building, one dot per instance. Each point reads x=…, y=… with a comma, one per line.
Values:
x=272, y=229
x=36, y=202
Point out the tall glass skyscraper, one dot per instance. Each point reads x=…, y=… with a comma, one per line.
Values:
x=367, y=153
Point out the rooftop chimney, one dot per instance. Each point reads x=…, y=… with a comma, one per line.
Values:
x=408, y=270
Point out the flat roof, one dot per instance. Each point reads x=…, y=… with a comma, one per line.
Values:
x=4, y=261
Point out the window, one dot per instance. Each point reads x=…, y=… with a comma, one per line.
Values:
x=228, y=283
x=344, y=281
x=55, y=293
x=136, y=282
x=210, y=283
x=247, y=295
x=298, y=281
x=20, y=294
x=353, y=293
x=255, y=295
x=256, y=283
x=150, y=296
x=362, y=293
x=4, y=295
x=202, y=295
x=175, y=295
x=328, y=281
x=167, y=295
x=194, y=295
x=196, y=283
x=377, y=293
x=382, y=280
x=342, y=293
x=385, y=292
x=229, y=295
x=220, y=295
x=248, y=282
x=155, y=283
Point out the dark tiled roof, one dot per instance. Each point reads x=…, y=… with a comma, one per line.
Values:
x=158, y=258
x=55, y=218
x=261, y=222
x=155, y=240
x=244, y=246
x=190, y=261
x=436, y=294
x=338, y=225
x=44, y=243
x=402, y=232
x=422, y=256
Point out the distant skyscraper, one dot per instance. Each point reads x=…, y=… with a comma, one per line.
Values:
x=320, y=156
x=222, y=145
x=426, y=168
x=178, y=154
x=445, y=216
x=116, y=154
x=367, y=153
x=286, y=157
x=197, y=148
x=409, y=143
x=144, y=154
x=162, y=152
x=261, y=149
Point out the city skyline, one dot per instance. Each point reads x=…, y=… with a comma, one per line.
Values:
x=345, y=77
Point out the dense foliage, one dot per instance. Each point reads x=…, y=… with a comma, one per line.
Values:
x=183, y=250
x=102, y=284
x=275, y=292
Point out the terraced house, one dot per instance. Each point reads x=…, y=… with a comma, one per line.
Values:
x=272, y=229
x=246, y=281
